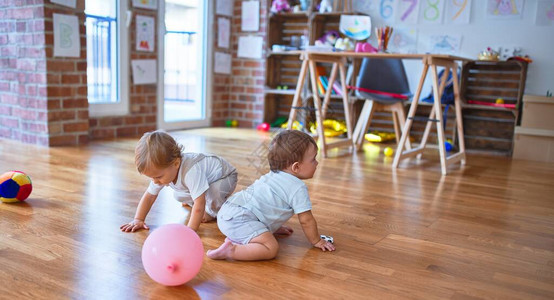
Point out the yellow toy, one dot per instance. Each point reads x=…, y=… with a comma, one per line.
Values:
x=331, y=128
x=295, y=125
x=377, y=137
x=388, y=152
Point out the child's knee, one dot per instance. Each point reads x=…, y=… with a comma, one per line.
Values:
x=273, y=249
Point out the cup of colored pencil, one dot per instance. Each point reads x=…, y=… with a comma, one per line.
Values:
x=383, y=36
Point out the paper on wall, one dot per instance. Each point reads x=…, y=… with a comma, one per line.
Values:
x=67, y=41
x=145, y=33
x=222, y=63
x=224, y=7
x=144, y=71
x=223, y=32
x=69, y=3
x=250, y=17
x=250, y=46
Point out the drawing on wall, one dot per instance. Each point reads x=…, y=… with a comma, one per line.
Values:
x=69, y=3
x=444, y=44
x=144, y=71
x=250, y=47
x=403, y=40
x=66, y=36
x=222, y=63
x=545, y=13
x=145, y=33
x=458, y=11
x=250, y=17
x=504, y=9
x=148, y=4
x=355, y=27
x=408, y=11
x=387, y=9
x=432, y=11
x=224, y=7
x=223, y=32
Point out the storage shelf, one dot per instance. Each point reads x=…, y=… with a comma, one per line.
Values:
x=279, y=92
x=292, y=52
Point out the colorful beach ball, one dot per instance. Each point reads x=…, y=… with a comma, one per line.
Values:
x=15, y=186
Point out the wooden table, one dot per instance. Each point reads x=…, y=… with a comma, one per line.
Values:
x=338, y=61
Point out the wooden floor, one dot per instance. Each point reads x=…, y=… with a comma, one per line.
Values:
x=484, y=231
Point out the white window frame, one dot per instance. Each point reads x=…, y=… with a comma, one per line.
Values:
x=122, y=106
x=207, y=41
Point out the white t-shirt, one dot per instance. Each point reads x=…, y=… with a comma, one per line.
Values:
x=190, y=185
x=274, y=198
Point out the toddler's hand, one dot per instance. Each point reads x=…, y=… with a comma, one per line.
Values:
x=324, y=245
x=133, y=226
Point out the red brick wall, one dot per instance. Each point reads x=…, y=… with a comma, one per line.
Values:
x=43, y=99
x=66, y=83
x=246, y=86
x=23, y=95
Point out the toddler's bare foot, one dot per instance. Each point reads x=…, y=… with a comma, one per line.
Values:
x=224, y=251
x=207, y=218
x=283, y=231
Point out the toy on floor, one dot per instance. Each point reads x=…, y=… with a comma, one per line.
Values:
x=328, y=238
x=331, y=128
x=231, y=123
x=263, y=127
x=388, y=151
x=15, y=186
x=172, y=254
x=378, y=137
x=295, y=125
x=448, y=145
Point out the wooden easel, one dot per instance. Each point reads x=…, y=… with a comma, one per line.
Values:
x=309, y=60
x=450, y=66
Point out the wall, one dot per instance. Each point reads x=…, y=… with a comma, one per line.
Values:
x=23, y=95
x=246, y=85
x=43, y=99
x=142, y=98
x=480, y=33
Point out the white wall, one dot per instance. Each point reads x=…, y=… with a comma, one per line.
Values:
x=535, y=41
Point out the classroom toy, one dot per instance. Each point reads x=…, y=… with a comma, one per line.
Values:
x=15, y=186
x=328, y=238
x=448, y=146
x=326, y=6
x=388, y=151
x=331, y=128
x=172, y=254
x=278, y=6
x=263, y=127
x=344, y=44
x=365, y=47
x=329, y=38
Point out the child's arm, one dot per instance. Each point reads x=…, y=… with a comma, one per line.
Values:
x=143, y=208
x=309, y=226
x=197, y=212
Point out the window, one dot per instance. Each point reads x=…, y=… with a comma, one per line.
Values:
x=107, y=57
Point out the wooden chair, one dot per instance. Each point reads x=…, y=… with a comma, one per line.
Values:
x=384, y=86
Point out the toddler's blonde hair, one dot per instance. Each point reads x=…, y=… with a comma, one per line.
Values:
x=288, y=147
x=156, y=149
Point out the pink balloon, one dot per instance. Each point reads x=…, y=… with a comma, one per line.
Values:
x=172, y=254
